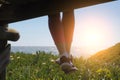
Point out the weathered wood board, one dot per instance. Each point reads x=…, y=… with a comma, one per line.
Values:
x=18, y=10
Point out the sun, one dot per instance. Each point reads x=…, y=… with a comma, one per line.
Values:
x=92, y=33
x=92, y=38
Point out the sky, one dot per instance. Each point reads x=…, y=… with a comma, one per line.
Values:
x=95, y=26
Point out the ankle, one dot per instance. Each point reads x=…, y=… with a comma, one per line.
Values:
x=64, y=54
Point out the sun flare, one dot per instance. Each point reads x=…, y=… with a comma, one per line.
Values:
x=92, y=38
x=92, y=33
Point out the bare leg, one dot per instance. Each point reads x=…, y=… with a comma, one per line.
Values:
x=57, y=32
x=62, y=33
x=68, y=24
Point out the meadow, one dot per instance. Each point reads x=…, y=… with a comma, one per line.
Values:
x=104, y=65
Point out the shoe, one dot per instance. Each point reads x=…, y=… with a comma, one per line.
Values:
x=58, y=60
x=66, y=64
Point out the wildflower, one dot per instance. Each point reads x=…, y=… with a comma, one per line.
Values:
x=33, y=53
x=12, y=58
x=52, y=60
x=43, y=63
x=103, y=79
x=18, y=57
x=52, y=70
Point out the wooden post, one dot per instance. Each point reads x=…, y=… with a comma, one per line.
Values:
x=3, y=44
x=5, y=35
x=3, y=75
x=4, y=61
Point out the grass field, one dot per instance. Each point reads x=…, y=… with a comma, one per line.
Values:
x=104, y=65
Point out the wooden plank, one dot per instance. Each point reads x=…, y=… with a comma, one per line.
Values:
x=17, y=12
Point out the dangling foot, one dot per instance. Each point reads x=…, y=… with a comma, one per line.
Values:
x=66, y=64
